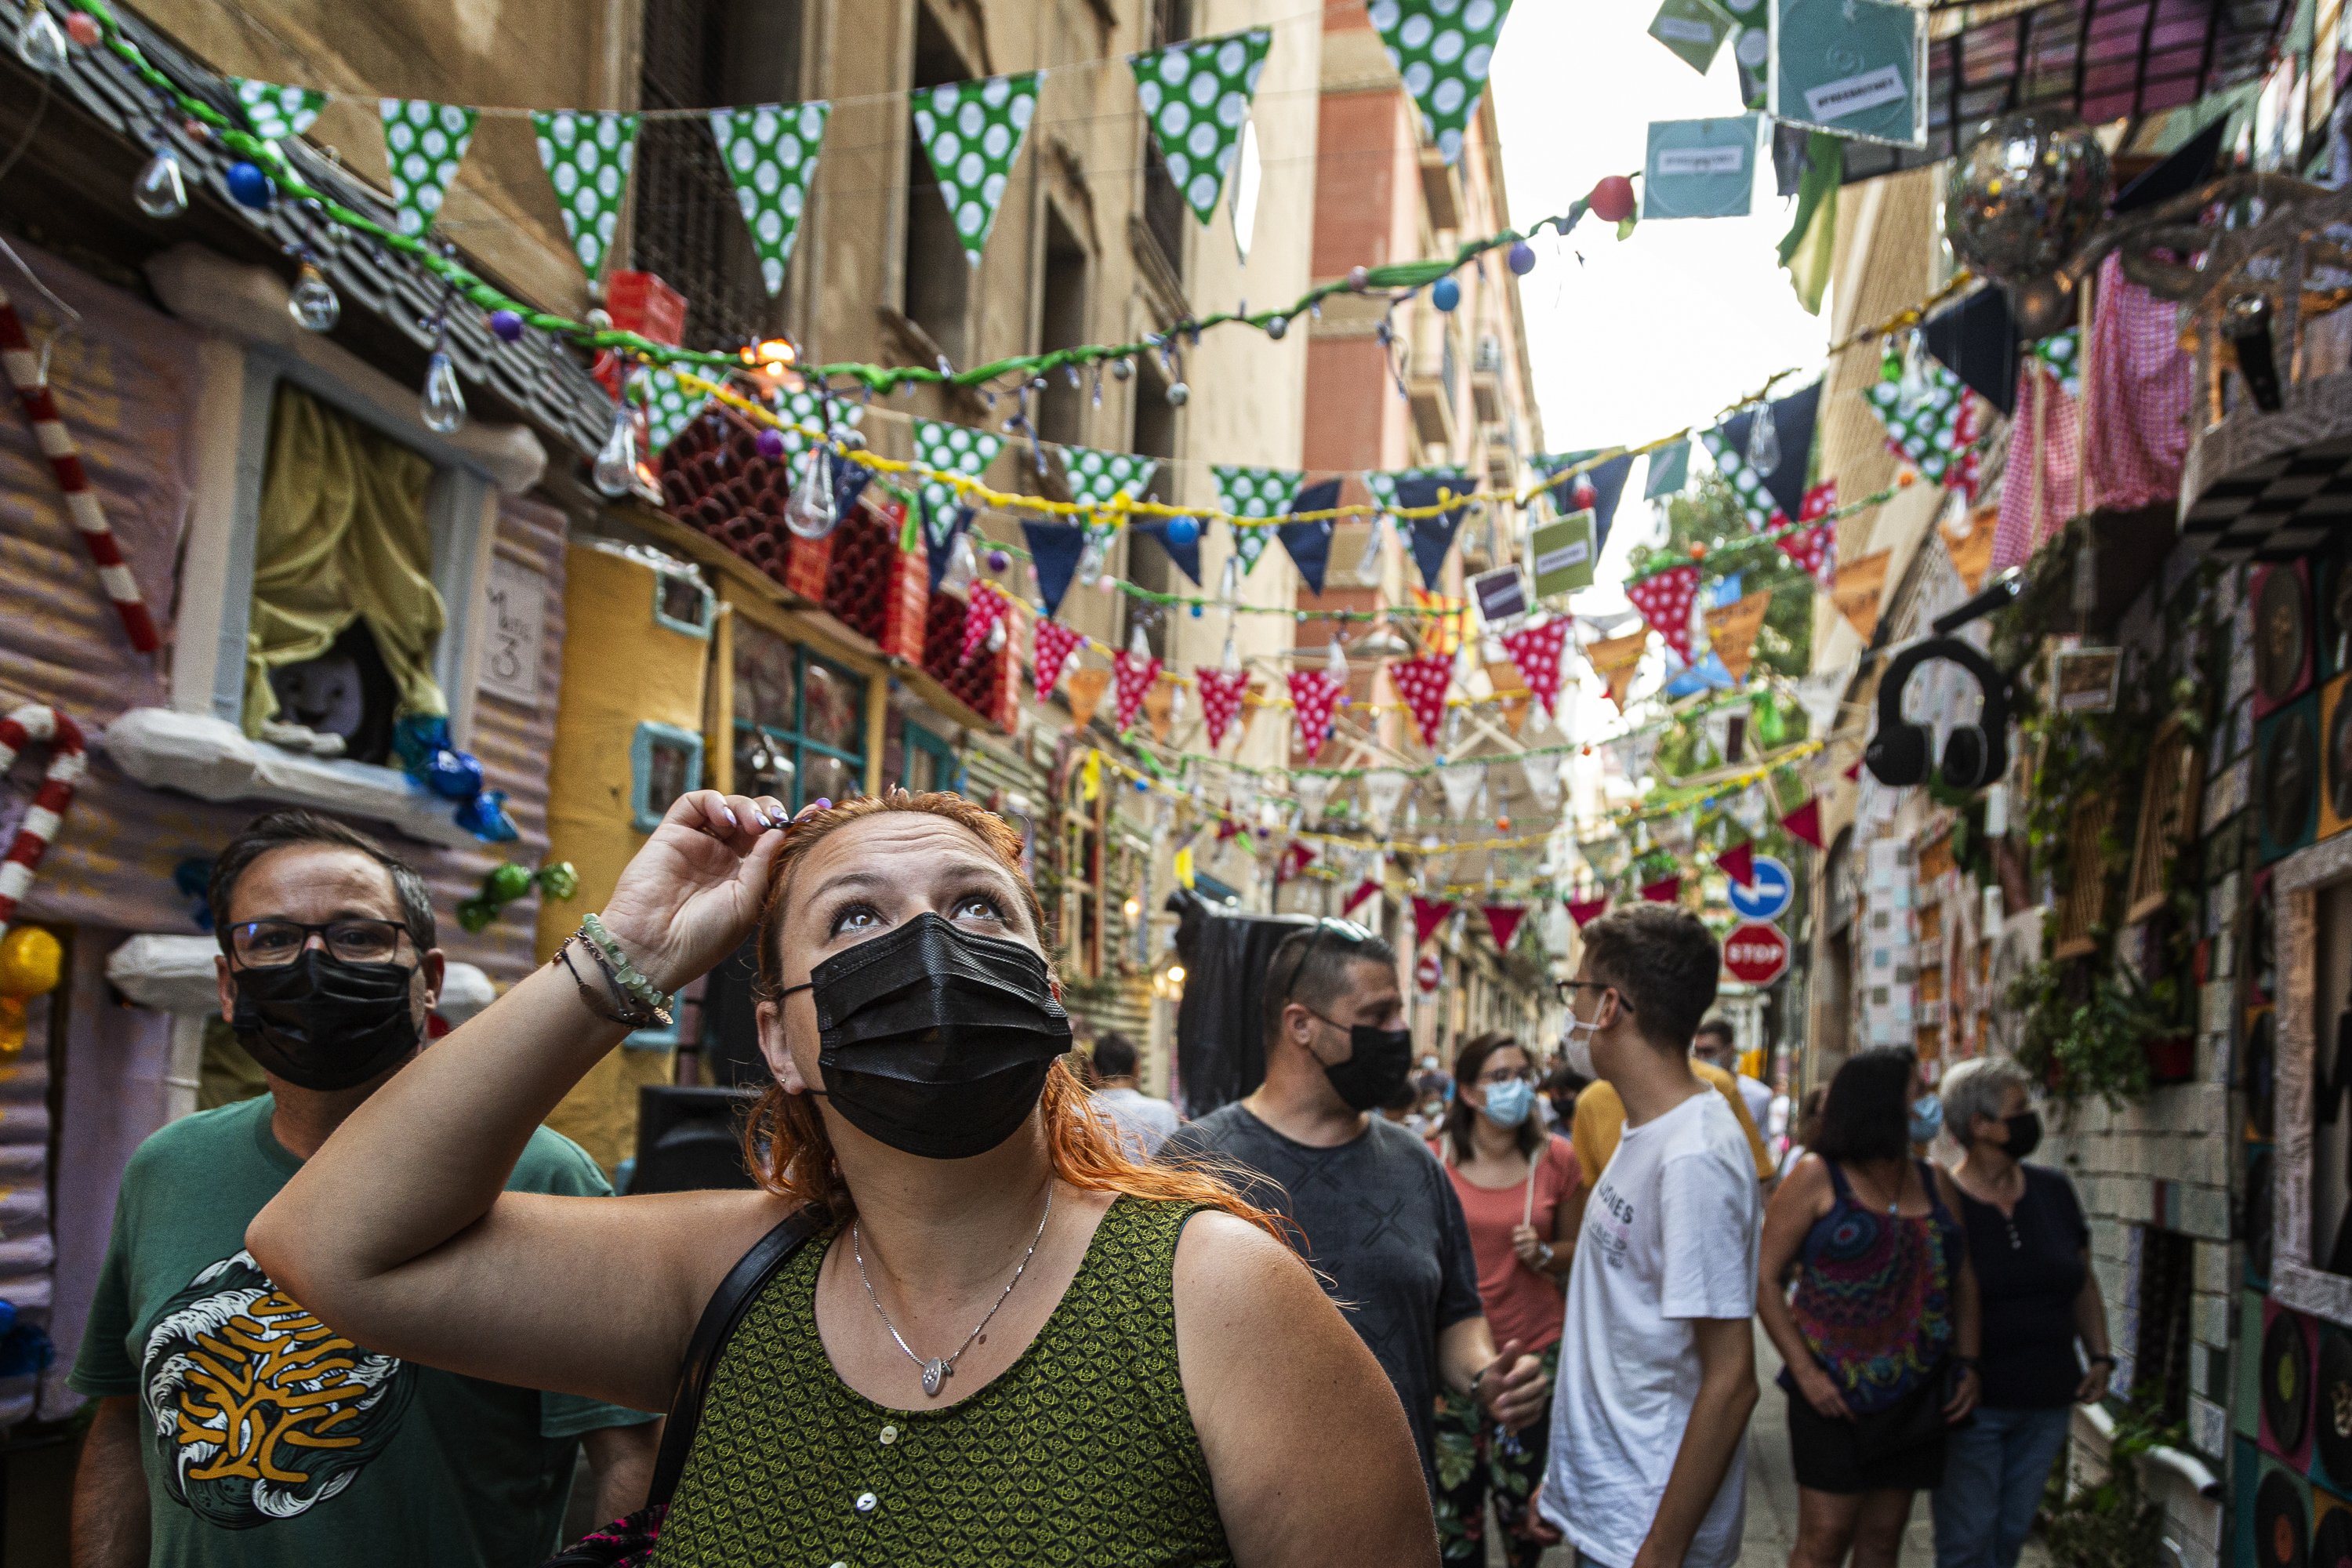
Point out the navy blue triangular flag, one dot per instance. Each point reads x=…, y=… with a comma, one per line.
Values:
x=849, y=482
x=1054, y=550
x=1186, y=556
x=1432, y=538
x=1309, y=543
x=943, y=551
x=1976, y=340
x=1793, y=422
x=1608, y=482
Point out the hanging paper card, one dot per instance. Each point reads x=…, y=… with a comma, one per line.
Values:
x=587, y=158
x=1312, y=695
x=972, y=132
x=1421, y=683
x=1085, y=691
x=1461, y=781
x=1309, y=543
x=1615, y=659
x=1731, y=631
x=1054, y=550
x=1857, y=591
x=1051, y=653
x=1384, y=788
x=1443, y=49
x=669, y=407
x=1852, y=68
x=426, y=143
x=1664, y=602
x=1221, y=699
x=1693, y=29
x=949, y=448
x=1562, y=553
x=770, y=151
x=277, y=113
x=1535, y=651
x=1197, y=97
x=1135, y=679
x=1500, y=594
x=1699, y=168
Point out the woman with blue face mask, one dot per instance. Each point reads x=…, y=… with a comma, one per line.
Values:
x=1514, y=1180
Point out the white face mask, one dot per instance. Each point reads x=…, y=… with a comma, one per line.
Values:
x=1576, y=1045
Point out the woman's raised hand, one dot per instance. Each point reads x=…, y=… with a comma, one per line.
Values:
x=690, y=897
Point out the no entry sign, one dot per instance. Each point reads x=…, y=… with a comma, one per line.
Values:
x=1756, y=952
x=1428, y=971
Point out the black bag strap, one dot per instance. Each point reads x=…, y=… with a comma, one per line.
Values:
x=727, y=1304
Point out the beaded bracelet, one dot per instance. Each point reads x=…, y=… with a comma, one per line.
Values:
x=626, y=1011
x=626, y=975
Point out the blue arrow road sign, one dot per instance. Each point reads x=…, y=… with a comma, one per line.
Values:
x=1768, y=895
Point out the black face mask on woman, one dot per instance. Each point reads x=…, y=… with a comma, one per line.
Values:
x=933, y=1040
x=325, y=1023
x=2024, y=1134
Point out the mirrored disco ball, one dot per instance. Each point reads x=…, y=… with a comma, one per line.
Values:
x=2024, y=197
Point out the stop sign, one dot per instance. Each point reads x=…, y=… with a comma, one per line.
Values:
x=1756, y=952
x=1428, y=971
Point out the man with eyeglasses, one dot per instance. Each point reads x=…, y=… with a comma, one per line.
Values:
x=234, y=1429
x=1374, y=1214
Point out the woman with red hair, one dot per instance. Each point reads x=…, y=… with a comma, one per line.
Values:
x=1007, y=1342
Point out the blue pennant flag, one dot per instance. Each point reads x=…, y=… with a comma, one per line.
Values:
x=1053, y=549
x=942, y=549
x=1187, y=556
x=1792, y=421
x=1432, y=538
x=1309, y=543
x=1707, y=675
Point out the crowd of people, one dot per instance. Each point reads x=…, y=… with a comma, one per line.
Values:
x=988, y=1301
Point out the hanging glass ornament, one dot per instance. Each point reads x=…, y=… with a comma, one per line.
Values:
x=996, y=637
x=443, y=406
x=811, y=512
x=313, y=303
x=1764, y=441
x=1370, y=566
x=1232, y=656
x=1090, y=560
x=40, y=43
x=1178, y=394
x=1337, y=663
x=160, y=191
x=1229, y=581
x=1122, y=369
x=1137, y=645
x=616, y=463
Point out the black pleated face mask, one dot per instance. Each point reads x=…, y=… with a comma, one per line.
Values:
x=933, y=1040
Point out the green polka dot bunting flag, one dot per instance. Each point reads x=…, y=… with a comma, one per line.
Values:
x=669, y=406
x=949, y=448
x=805, y=408
x=1197, y=95
x=1097, y=477
x=1253, y=492
x=972, y=132
x=2063, y=355
x=426, y=143
x=1443, y=49
x=1755, y=503
x=1923, y=430
x=1383, y=483
x=277, y=113
x=586, y=156
x=769, y=151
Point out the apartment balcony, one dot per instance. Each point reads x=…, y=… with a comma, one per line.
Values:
x=1487, y=381
x=1441, y=189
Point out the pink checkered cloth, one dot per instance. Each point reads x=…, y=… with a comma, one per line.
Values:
x=2138, y=386
x=2044, y=440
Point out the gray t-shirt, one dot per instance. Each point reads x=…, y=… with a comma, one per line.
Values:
x=1382, y=1227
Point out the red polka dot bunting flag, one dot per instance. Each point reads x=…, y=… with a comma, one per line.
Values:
x=1134, y=677
x=1584, y=912
x=1421, y=682
x=1814, y=549
x=1426, y=914
x=1535, y=650
x=987, y=606
x=1313, y=694
x=1664, y=602
x=1221, y=701
x=1503, y=921
x=1055, y=645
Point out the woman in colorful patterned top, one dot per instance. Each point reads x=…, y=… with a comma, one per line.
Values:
x=1012, y=1344
x=1879, y=1335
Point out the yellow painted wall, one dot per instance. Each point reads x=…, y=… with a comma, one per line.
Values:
x=621, y=668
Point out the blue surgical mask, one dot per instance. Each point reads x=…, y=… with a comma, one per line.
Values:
x=1926, y=1117
x=1507, y=1103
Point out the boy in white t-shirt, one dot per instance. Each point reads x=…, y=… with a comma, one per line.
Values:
x=1657, y=1367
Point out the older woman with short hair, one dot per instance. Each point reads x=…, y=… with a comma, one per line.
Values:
x=2038, y=1297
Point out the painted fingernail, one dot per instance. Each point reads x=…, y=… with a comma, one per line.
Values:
x=822, y=805
x=730, y=816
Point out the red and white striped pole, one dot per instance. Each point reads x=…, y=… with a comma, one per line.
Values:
x=24, y=368
x=68, y=760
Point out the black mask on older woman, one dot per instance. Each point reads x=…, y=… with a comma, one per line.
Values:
x=933, y=1040
x=2024, y=1134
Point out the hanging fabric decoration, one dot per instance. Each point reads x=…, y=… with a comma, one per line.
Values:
x=1383, y=789
x=1707, y=675
x=1312, y=695
x=1054, y=551
x=669, y=406
x=802, y=409
x=1443, y=49
x=587, y=157
x=1616, y=660
x=2138, y=416
x=951, y=449
x=1197, y=95
x=1856, y=590
x=45, y=814
x=1243, y=492
x=1584, y=912
x=1597, y=489
x=1431, y=539
x=1461, y=781
x=1427, y=915
x=2042, y=485
x=1503, y=922
x=1309, y=543
x=972, y=132
x=1664, y=602
x=1664, y=890
x=1421, y=683
x=1221, y=699
x=770, y=151
x=1085, y=689
x=1051, y=652
x=1731, y=632
x=1738, y=863
x=986, y=607
x=1186, y=554
x=1364, y=889
x=426, y=143
x=1095, y=478
x=1542, y=776
x=1814, y=549
x=277, y=112
x=1136, y=676
x=1535, y=652
x=1804, y=824
x=1931, y=423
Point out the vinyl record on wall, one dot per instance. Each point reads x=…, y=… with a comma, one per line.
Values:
x=2331, y=1541
x=2331, y=1425
x=2257, y=1217
x=2334, y=614
x=2286, y=1386
x=2260, y=1065
x=2282, y=1522
x=2286, y=778
x=2336, y=756
x=2283, y=635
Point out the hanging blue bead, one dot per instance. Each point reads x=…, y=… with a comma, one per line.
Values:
x=506, y=326
x=1445, y=294
x=1521, y=257
x=249, y=186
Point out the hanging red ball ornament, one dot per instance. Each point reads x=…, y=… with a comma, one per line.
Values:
x=1611, y=200
x=83, y=29
x=1697, y=551
x=1502, y=824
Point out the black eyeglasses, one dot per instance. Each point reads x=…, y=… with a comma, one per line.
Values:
x=1348, y=932
x=271, y=944
x=1569, y=988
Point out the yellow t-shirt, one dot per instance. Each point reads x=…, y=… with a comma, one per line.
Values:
x=1601, y=1122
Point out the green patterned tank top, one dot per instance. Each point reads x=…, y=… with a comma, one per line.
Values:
x=1082, y=1453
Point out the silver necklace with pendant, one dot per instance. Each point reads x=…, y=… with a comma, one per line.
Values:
x=937, y=1370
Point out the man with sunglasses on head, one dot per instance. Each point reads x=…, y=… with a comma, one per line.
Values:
x=232, y=1426
x=1374, y=1214
x=1657, y=1368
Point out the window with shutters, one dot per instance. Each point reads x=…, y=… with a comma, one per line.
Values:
x=2167, y=817
x=2083, y=907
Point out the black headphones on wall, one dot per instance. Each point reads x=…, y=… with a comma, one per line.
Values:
x=1974, y=756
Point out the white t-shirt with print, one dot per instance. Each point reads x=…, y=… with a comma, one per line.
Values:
x=1629, y=1365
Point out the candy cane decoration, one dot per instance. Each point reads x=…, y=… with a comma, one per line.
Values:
x=24, y=369
x=69, y=761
